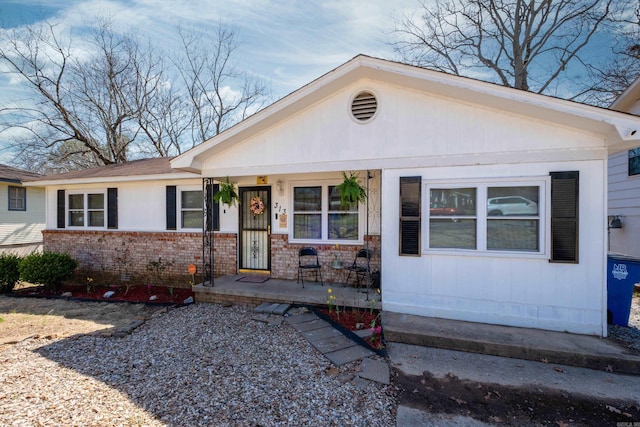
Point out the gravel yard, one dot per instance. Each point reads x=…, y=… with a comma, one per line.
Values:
x=198, y=365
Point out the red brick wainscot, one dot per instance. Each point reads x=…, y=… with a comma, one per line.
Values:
x=284, y=257
x=158, y=258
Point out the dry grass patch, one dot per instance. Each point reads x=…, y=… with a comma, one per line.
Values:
x=25, y=317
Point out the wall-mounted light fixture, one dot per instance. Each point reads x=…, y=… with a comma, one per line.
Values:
x=280, y=187
x=615, y=221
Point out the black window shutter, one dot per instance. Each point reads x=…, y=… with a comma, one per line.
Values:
x=112, y=208
x=564, y=216
x=410, y=220
x=171, y=207
x=212, y=207
x=61, y=209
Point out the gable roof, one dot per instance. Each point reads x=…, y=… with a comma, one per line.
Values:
x=135, y=170
x=629, y=98
x=621, y=130
x=11, y=174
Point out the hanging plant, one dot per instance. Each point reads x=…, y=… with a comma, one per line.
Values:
x=227, y=193
x=351, y=192
x=256, y=206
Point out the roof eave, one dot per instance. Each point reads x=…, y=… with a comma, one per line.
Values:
x=114, y=179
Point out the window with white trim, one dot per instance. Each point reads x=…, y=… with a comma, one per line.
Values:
x=487, y=217
x=317, y=215
x=190, y=206
x=634, y=161
x=86, y=210
x=17, y=198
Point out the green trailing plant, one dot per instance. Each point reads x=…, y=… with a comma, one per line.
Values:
x=9, y=272
x=227, y=194
x=49, y=268
x=351, y=192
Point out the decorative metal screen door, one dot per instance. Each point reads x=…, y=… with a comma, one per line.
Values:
x=255, y=228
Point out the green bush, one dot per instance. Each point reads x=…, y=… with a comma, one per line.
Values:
x=48, y=268
x=9, y=272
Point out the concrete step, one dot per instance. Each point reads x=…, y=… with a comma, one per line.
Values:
x=563, y=348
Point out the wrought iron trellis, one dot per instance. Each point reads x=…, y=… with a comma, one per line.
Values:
x=207, y=231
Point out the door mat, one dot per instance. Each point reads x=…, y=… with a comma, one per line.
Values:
x=253, y=279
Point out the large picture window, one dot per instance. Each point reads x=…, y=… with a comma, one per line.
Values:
x=317, y=215
x=487, y=217
x=17, y=198
x=86, y=210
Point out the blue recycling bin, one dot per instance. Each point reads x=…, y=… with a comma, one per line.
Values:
x=623, y=272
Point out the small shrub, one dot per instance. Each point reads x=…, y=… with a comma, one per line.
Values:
x=9, y=272
x=49, y=268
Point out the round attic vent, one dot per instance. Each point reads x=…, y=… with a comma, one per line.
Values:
x=364, y=106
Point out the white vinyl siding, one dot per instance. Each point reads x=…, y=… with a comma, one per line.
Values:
x=18, y=227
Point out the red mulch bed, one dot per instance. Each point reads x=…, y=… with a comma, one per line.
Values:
x=135, y=294
x=351, y=318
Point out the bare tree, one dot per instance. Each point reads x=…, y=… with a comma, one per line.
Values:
x=86, y=99
x=210, y=76
x=524, y=44
x=113, y=100
x=607, y=82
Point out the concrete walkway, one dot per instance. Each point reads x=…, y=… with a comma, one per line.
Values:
x=329, y=341
x=520, y=343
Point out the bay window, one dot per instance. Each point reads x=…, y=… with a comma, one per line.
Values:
x=317, y=215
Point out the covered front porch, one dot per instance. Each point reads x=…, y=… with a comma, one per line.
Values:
x=230, y=290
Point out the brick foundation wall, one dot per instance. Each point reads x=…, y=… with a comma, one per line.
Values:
x=284, y=257
x=106, y=255
x=159, y=258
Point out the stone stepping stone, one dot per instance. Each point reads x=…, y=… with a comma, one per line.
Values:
x=350, y=354
x=330, y=345
x=374, y=370
x=272, y=308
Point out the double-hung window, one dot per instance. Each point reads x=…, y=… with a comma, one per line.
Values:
x=86, y=210
x=17, y=198
x=317, y=215
x=487, y=217
x=191, y=203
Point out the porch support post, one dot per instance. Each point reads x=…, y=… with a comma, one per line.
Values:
x=366, y=237
x=207, y=231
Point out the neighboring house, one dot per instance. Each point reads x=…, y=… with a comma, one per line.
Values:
x=624, y=185
x=432, y=150
x=22, y=212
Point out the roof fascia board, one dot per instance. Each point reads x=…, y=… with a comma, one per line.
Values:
x=441, y=83
x=9, y=180
x=113, y=179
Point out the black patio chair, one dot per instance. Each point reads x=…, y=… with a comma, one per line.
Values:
x=308, y=264
x=361, y=267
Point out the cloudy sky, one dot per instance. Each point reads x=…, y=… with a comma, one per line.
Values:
x=286, y=42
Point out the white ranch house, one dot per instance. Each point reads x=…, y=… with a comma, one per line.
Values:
x=486, y=204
